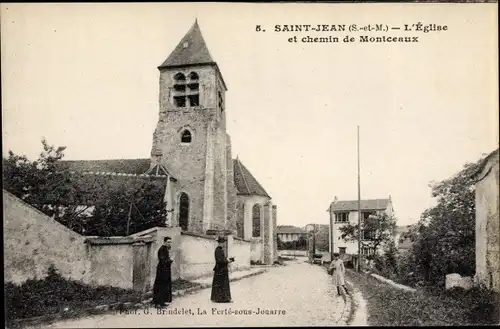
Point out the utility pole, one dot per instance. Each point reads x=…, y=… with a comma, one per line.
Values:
x=314, y=240
x=359, y=212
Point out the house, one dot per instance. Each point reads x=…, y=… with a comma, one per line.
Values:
x=488, y=222
x=290, y=233
x=205, y=189
x=343, y=212
x=402, y=238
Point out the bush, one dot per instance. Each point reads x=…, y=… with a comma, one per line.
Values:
x=389, y=306
x=54, y=293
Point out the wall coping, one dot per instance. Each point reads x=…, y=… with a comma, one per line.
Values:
x=241, y=239
x=200, y=235
x=114, y=240
x=149, y=230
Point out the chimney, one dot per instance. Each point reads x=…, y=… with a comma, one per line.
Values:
x=335, y=199
x=390, y=197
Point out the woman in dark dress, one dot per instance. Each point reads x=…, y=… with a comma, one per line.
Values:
x=221, y=292
x=162, y=289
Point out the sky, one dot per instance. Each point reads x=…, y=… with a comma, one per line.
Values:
x=85, y=76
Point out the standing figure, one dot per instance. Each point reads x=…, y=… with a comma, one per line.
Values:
x=162, y=289
x=221, y=292
x=338, y=275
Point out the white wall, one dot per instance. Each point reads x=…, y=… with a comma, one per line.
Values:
x=34, y=241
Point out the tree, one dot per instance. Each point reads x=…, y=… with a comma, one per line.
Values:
x=118, y=203
x=377, y=231
x=38, y=182
x=446, y=238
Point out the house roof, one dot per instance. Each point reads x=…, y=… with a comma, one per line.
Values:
x=191, y=50
x=352, y=205
x=245, y=182
x=289, y=229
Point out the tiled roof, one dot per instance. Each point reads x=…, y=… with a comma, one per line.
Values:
x=191, y=50
x=374, y=204
x=289, y=229
x=95, y=188
x=245, y=183
x=125, y=166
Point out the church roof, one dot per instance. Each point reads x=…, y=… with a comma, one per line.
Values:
x=124, y=166
x=191, y=50
x=245, y=182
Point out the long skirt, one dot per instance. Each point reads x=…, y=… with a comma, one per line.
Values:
x=221, y=292
x=338, y=278
x=162, y=288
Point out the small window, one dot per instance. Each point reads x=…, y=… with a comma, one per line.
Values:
x=179, y=77
x=194, y=100
x=180, y=101
x=342, y=217
x=186, y=136
x=342, y=250
x=193, y=76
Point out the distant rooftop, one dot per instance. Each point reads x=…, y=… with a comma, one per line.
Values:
x=352, y=205
x=289, y=229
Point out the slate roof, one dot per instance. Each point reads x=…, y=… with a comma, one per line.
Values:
x=374, y=204
x=191, y=50
x=126, y=166
x=289, y=229
x=245, y=182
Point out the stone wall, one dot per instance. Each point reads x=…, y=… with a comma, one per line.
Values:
x=196, y=255
x=256, y=254
x=241, y=251
x=112, y=264
x=488, y=225
x=33, y=241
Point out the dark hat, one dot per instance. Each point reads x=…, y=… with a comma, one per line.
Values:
x=221, y=239
x=167, y=238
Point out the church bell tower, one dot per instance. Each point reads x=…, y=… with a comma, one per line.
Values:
x=190, y=138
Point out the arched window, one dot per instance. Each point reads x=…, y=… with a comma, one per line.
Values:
x=184, y=211
x=193, y=76
x=256, y=221
x=186, y=136
x=180, y=90
x=194, y=89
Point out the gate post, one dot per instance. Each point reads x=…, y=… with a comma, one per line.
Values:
x=141, y=266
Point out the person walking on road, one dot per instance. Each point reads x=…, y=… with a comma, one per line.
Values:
x=337, y=269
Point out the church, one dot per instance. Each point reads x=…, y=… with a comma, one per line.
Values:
x=206, y=189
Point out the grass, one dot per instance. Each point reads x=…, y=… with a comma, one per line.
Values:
x=56, y=295
x=389, y=306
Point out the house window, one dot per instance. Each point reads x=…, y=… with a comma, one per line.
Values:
x=256, y=221
x=186, y=136
x=367, y=251
x=342, y=217
x=186, y=91
x=342, y=250
x=367, y=234
x=366, y=214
